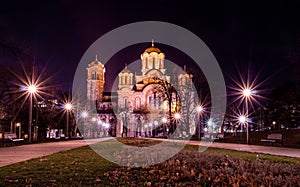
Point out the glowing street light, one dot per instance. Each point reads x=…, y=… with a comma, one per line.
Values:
x=177, y=116
x=242, y=119
x=68, y=107
x=84, y=114
x=164, y=120
x=199, y=109
x=247, y=92
x=32, y=89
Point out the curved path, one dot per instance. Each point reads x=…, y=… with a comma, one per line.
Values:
x=15, y=154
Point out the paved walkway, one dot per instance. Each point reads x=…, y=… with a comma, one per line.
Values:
x=280, y=151
x=15, y=154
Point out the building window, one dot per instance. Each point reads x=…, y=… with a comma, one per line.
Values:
x=122, y=80
x=146, y=60
x=149, y=100
x=137, y=102
x=94, y=75
x=125, y=102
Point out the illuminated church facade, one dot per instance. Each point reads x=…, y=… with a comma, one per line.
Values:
x=145, y=101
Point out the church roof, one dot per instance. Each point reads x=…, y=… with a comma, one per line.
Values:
x=152, y=49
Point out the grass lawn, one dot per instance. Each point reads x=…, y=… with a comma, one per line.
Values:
x=83, y=167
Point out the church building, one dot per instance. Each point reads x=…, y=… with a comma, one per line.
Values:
x=145, y=102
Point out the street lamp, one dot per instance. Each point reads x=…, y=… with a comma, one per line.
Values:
x=84, y=115
x=177, y=117
x=68, y=107
x=31, y=89
x=247, y=94
x=164, y=120
x=199, y=110
x=244, y=121
x=19, y=125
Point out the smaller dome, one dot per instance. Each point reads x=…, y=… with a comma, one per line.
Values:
x=125, y=70
x=152, y=49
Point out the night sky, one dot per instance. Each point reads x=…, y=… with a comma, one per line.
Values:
x=264, y=34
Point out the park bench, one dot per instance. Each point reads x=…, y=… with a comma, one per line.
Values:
x=219, y=136
x=273, y=138
x=11, y=137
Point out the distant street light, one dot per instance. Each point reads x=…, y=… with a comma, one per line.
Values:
x=164, y=120
x=177, y=116
x=68, y=107
x=84, y=114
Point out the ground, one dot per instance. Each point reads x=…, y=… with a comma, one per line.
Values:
x=82, y=166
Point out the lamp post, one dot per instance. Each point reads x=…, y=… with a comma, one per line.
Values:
x=177, y=117
x=84, y=114
x=68, y=107
x=199, y=110
x=247, y=94
x=31, y=89
x=164, y=120
x=243, y=120
x=19, y=125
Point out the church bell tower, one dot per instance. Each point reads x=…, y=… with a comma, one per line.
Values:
x=95, y=80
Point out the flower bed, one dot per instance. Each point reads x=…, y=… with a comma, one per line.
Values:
x=192, y=168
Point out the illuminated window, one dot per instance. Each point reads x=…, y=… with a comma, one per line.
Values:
x=137, y=102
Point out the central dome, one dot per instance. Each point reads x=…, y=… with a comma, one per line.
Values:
x=153, y=49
